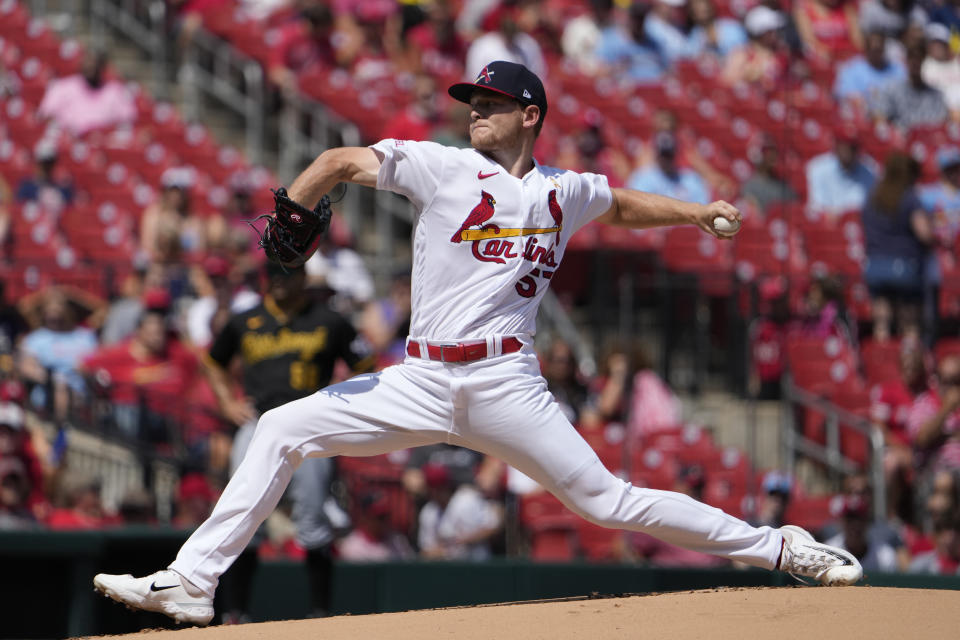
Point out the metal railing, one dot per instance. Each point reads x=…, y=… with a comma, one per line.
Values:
x=830, y=453
x=235, y=80
x=120, y=458
x=143, y=23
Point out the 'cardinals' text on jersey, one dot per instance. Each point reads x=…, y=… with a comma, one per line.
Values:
x=485, y=243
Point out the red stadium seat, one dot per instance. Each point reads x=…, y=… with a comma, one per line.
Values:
x=881, y=360
x=811, y=513
x=949, y=303
x=38, y=40
x=724, y=485
x=597, y=544
x=21, y=123
x=552, y=545
x=803, y=349
x=754, y=260
x=945, y=347
x=653, y=468
x=15, y=162
x=540, y=511
x=13, y=19
x=379, y=468
x=689, y=250
x=68, y=58
x=631, y=239
x=611, y=454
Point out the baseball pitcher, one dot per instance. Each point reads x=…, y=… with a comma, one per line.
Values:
x=491, y=228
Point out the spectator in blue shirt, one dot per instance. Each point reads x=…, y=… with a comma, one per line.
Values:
x=861, y=75
x=45, y=188
x=840, y=180
x=766, y=186
x=711, y=34
x=630, y=50
x=664, y=177
x=50, y=355
x=943, y=198
x=667, y=27
x=910, y=103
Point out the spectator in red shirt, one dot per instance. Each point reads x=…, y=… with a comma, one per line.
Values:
x=78, y=505
x=375, y=43
x=942, y=501
x=152, y=370
x=434, y=46
x=16, y=443
x=890, y=407
x=302, y=44
x=610, y=389
x=190, y=15
x=944, y=559
x=195, y=499
x=828, y=28
x=762, y=61
x=587, y=150
x=767, y=336
x=374, y=539
x=421, y=118
x=934, y=419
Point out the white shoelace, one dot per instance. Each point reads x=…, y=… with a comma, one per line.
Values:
x=810, y=561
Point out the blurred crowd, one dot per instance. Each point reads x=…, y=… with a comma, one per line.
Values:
x=139, y=366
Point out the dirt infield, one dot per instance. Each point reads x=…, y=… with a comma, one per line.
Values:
x=848, y=613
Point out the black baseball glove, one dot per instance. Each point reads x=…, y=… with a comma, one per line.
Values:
x=293, y=232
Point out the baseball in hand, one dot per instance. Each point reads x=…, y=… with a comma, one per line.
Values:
x=726, y=227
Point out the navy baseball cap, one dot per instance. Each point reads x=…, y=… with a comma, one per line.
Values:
x=510, y=79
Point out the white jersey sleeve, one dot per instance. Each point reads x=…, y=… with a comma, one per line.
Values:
x=410, y=168
x=590, y=196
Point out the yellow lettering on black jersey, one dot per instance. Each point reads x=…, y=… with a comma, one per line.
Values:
x=260, y=346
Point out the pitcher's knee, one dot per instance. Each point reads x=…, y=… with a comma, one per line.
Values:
x=598, y=508
x=272, y=430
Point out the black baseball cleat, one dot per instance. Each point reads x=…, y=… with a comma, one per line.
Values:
x=165, y=592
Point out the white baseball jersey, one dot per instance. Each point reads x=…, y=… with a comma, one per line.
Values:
x=485, y=250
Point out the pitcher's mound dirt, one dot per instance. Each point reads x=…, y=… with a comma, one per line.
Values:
x=847, y=613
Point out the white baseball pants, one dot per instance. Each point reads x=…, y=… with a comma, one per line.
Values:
x=499, y=406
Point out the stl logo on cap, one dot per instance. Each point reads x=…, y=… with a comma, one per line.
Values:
x=485, y=75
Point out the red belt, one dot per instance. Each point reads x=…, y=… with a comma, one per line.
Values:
x=460, y=351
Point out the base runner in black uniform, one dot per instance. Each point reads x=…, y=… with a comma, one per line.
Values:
x=288, y=346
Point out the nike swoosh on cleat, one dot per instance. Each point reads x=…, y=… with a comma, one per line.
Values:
x=846, y=561
x=154, y=587
x=483, y=176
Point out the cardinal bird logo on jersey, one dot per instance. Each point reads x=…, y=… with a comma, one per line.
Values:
x=555, y=209
x=478, y=216
x=491, y=243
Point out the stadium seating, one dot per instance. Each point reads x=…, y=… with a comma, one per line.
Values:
x=118, y=175
x=118, y=172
